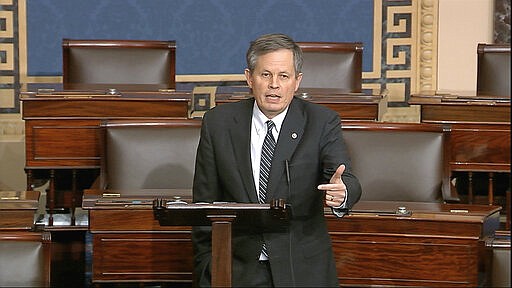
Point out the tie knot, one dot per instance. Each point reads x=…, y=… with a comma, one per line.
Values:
x=270, y=125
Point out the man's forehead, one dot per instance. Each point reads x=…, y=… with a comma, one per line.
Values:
x=280, y=60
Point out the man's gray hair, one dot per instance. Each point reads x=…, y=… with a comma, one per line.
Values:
x=270, y=43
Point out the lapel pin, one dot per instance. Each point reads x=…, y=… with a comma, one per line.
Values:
x=294, y=135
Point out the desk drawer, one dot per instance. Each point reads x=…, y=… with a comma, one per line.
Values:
x=62, y=143
x=148, y=257
x=480, y=148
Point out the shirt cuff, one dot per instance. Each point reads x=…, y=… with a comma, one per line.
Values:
x=341, y=210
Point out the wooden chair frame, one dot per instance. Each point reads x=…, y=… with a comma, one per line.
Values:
x=68, y=45
x=103, y=181
x=355, y=48
x=492, y=77
x=448, y=195
x=44, y=237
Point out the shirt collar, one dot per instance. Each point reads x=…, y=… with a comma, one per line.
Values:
x=259, y=119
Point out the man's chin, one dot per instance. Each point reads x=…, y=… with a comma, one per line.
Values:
x=272, y=109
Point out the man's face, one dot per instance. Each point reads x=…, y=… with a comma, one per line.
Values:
x=273, y=81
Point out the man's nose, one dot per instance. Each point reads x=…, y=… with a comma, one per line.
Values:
x=274, y=82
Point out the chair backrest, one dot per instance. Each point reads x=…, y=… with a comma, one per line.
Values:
x=148, y=155
x=25, y=259
x=399, y=161
x=119, y=62
x=493, y=72
x=332, y=65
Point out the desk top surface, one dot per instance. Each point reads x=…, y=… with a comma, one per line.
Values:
x=109, y=199
x=19, y=200
x=423, y=210
x=53, y=91
x=457, y=98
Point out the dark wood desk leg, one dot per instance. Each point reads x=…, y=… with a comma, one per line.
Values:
x=470, y=187
x=51, y=197
x=29, y=180
x=73, y=197
x=221, y=250
x=47, y=243
x=507, y=201
x=490, y=192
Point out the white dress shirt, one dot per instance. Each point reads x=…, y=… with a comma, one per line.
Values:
x=258, y=132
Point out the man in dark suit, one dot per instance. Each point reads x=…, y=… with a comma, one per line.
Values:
x=310, y=169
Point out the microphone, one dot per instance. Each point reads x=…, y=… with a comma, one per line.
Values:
x=287, y=167
x=288, y=181
x=287, y=170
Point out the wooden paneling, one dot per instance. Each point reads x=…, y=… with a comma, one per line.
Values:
x=56, y=143
x=145, y=257
x=136, y=219
x=465, y=113
x=104, y=108
x=17, y=209
x=480, y=147
x=437, y=245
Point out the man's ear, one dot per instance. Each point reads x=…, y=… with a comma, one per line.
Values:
x=299, y=79
x=248, y=78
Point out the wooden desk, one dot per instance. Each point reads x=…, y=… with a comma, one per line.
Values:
x=365, y=106
x=436, y=245
x=439, y=245
x=462, y=109
x=18, y=209
x=25, y=258
x=61, y=126
x=480, y=131
x=129, y=245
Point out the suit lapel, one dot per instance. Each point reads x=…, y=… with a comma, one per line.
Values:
x=290, y=136
x=241, y=139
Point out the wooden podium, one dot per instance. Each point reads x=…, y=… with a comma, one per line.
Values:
x=222, y=217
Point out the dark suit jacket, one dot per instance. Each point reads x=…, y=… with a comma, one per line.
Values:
x=302, y=255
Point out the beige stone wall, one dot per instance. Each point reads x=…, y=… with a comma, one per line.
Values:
x=462, y=25
x=12, y=154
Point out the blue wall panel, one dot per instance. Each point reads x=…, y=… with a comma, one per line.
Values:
x=211, y=35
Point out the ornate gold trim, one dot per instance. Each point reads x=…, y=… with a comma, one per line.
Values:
x=22, y=40
x=377, y=42
x=427, y=46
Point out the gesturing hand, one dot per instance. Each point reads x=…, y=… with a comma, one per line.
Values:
x=335, y=191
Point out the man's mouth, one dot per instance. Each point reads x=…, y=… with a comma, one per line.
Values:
x=272, y=96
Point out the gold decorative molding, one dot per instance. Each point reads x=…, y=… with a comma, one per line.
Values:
x=22, y=40
x=427, y=46
x=377, y=40
x=8, y=60
x=8, y=63
x=7, y=18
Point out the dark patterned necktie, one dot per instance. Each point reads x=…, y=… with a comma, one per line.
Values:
x=267, y=152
